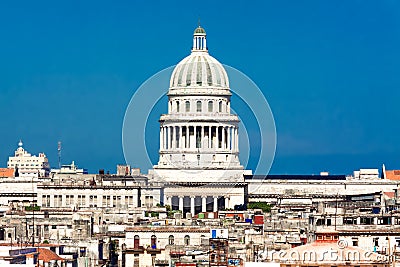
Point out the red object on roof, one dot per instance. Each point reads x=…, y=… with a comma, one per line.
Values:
x=258, y=219
x=47, y=255
x=6, y=172
x=389, y=194
x=393, y=175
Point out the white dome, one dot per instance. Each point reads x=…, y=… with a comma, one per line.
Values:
x=199, y=72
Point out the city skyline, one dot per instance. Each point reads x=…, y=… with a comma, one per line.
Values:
x=71, y=69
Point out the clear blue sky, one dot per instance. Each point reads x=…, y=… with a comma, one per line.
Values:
x=329, y=69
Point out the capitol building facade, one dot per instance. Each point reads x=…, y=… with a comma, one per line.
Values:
x=199, y=137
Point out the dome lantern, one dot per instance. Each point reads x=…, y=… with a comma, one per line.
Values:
x=199, y=39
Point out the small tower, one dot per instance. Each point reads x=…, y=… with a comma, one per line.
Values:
x=199, y=40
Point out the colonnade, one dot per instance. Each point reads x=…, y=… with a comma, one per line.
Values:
x=193, y=204
x=199, y=136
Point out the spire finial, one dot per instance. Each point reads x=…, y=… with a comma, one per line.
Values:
x=20, y=144
x=198, y=23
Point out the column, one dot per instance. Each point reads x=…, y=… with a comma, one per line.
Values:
x=180, y=137
x=228, y=141
x=181, y=203
x=216, y=137
x=215, y=204
x=173, y=137
x=192, y=205
x=161, y=138
x=223, y=138
x=233, y=139
x=63, y=200
x=226, y=198
x=203, y=203
x=168, y=201
x=167, y=133
x=187, y=137
x=51, y=200
x=209, y=136
x=236, y=139
x=202, y=137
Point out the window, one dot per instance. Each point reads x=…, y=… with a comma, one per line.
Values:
x=46, y=200
x=153, y=242
x=198, y=106
x=81, y=200
x=171, y=240
x=187, y=106
x=186, y=240
x=177, y=106
x=220, y=106
x=93, y=201
x=136, y=241
x=210, y=106
x=69, y=200
x=58, y=200
x=130, y=200
x=148, y=201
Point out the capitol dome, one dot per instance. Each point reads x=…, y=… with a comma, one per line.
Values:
x=199, y=72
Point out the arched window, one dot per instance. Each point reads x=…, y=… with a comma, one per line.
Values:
x=136, y=241
x=210, y=106
x=187, y=106
x=186, y=240
x=171, y=240
x=153, y=242
x=220, y=106
x=177, y=106
x=198, y=106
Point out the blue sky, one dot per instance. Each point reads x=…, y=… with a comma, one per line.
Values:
x=329, y=70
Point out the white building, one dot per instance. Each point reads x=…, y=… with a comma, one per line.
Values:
x=199, y=136
x=69, y=169
x=29, y=165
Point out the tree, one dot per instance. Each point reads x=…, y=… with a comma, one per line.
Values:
x=264, y=206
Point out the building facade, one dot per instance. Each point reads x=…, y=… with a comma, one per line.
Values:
x=27, y=165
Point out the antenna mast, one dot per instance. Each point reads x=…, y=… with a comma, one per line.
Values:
x=59, y=154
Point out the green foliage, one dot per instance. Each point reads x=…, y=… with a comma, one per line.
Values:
x=170, y=214
x=45, y=241
x=32, y=208
x=167, y=207
x=264, y=206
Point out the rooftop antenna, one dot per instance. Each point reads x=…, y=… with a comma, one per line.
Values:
x=59, y=154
